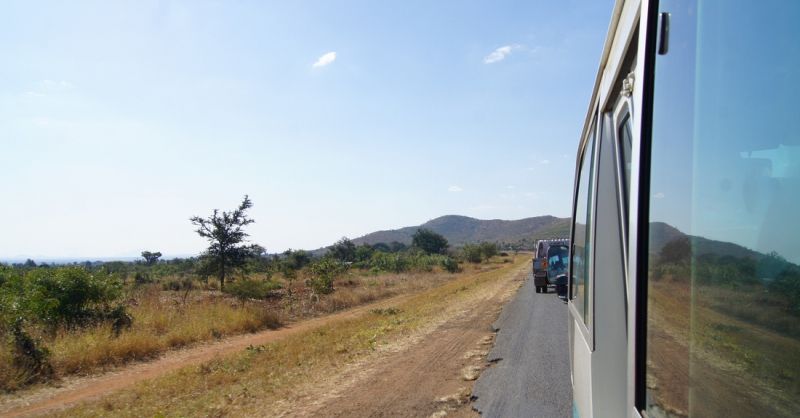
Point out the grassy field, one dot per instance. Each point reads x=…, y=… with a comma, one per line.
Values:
x=249, y=383
x=166, y=319
x=747, y=361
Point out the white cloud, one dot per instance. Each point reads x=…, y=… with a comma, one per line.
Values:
x=325, y=59
x=50, y=85
x=659, y=195
x=500, y=54
x=455, y=189
x=544, y=162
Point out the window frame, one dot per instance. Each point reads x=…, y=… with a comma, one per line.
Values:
x=623, y=113
x=591, y=135
x=639, y=238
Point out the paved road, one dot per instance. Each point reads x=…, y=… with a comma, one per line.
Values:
x=531, y=375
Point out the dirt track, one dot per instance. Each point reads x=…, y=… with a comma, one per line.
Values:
x=75, y=390
x=419, y=376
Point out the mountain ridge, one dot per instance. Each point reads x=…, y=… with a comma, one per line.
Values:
x=460, y=230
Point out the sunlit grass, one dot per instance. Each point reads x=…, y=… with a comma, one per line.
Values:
x=165, y=320
x=248, y=384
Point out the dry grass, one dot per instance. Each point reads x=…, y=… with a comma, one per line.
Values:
x=163, y=320
x=156, y=328
x=726, y=343
x=248, y=384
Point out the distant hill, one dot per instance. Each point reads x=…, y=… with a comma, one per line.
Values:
x=460, y=230
x=662, y=233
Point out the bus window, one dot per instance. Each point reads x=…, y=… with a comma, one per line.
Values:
x=723, y=277
x=582, y=230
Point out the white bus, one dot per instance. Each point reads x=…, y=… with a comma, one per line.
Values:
x=684, y=296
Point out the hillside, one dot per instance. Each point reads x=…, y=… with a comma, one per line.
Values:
x=662, y=233
x=460, y=230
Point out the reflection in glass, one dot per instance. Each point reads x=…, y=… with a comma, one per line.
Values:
x=723, y=309
x=581, y=257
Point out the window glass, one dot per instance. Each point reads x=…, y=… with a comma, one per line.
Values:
x=723, y=281
x=582, y=240
x=558, y=260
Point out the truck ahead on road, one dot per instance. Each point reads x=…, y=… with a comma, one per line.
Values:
x=551, y=261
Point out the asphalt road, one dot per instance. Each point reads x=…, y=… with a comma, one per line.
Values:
x=530, y=377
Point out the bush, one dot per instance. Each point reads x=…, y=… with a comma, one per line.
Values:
x=66, y=295
x=323, y=272
x=29, y=356
x=476, y=253
x=178, y=284
x=450, y=265
x=142, y=278
x=488, y=250
x=472, y=253
x=394, y=262
x=251, y=289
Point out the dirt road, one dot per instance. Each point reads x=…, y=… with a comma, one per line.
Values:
x=427, y=373
x=75, y=390
x=430, y=375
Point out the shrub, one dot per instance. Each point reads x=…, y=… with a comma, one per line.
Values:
x=476, y=253
x=323, y=272
x=142, y=278
x=391, y=262
x=488, y=250
x=450, y=265
x=28, y=355
x=178, y=284
x=251, y=289
x=472, y=253
x=68, y=295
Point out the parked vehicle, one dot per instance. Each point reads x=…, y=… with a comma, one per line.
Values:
x=684, y=295
x=551, y=261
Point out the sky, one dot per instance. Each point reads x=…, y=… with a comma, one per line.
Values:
x=121, y=120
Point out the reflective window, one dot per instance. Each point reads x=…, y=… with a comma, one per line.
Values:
x=625, y=138
x=723, y=285
x=582, y=239
x=557, y=260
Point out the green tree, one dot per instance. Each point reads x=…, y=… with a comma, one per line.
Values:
x=151, y=258
x=227, y=250
x=343, y=250
x=429, y=241
x=396, y=247
x=472, y=253
x=296, y=259
x=488, y=250
x=678, y=250
x=364, y=252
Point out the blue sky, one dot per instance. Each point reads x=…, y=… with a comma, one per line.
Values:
x=120, y=120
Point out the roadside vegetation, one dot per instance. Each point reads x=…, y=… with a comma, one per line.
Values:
x=251, y=383
x=59, y=320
